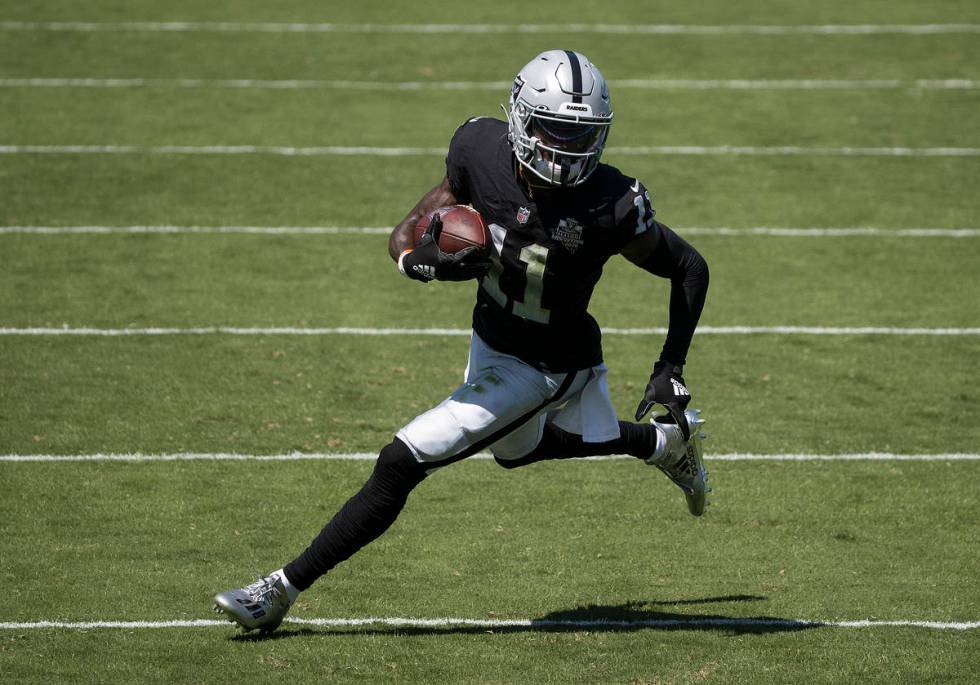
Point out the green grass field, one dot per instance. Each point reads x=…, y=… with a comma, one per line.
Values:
x=736, y=596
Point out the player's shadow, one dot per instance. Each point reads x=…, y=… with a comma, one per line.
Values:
x=629, y=617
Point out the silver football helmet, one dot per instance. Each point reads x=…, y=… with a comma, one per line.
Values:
x=559, y=116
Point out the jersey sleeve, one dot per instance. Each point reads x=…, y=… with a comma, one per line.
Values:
x=634, y=214
x=458, y=159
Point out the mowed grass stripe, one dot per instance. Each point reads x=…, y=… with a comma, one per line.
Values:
x=379, y=151
x=713, y=12
x=458, y=332
x=371, y=456
x=286, y=285
x=785, y=231
x=387, y=86
x=466, y=655
x=300, y=122
x=508, y=29
x=628, y=518
x=274, y=395
x=270, y=190
x=460, y=57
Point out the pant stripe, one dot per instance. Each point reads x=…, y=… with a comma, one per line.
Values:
x=510, y=427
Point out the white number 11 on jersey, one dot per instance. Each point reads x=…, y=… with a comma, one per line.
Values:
x=534, y=257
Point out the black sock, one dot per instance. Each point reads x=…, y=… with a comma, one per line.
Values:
x=363, y=518
x=636, y=439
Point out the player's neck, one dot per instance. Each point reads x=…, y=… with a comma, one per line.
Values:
x=534, y=190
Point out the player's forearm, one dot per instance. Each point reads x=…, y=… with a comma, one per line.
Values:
x=402, y=237
x=687, y=297
x=676, y=259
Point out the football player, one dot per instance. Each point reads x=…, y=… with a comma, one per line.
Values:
x=535, y=387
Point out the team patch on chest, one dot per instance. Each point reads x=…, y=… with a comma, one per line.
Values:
x=568, y=232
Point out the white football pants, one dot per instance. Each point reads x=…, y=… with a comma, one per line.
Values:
x=504, y=404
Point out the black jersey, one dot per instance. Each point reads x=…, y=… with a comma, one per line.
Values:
x=549, y=248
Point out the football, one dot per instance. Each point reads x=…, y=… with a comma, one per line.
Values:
x=462, y=227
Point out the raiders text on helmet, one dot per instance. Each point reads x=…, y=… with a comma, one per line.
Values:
x=559, y=117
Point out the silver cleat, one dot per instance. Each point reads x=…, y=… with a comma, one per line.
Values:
x=681, y=460
x=261, y=605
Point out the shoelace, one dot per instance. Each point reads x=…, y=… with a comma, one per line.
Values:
x=260, y=590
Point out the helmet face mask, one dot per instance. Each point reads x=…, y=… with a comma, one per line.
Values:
x=559, y=117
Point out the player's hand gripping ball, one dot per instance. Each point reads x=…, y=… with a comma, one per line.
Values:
x=462, y=227
x=451, y=244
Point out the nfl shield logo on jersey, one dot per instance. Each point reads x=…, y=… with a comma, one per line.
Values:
x=569, y=233
x=523, y=214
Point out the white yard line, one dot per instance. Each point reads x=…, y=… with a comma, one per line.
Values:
x=510, y=623
x=291, y=84
x=387, y=86
x=286, y=330
x=195, y=456
x=801, y=330
x=782, y=150
x=371, y=456
x=229, y=330
x=221, y=150
x=796, y=84
x=261, y=230
x=378, y=151
x=833, y=232
x=853, y=231
x=859, y=456
x=554, y=29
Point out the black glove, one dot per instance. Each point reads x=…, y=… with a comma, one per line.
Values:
x=667, y=387
x=427, y=262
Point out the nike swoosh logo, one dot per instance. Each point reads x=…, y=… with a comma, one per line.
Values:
x=636, y=186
